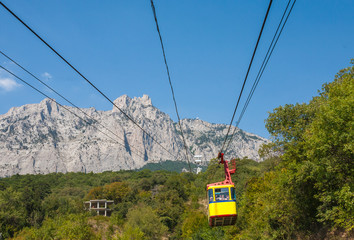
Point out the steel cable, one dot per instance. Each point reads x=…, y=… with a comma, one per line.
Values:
x=67, y=100
x=80, y=74
x=248, y=70
x=262, y=68
x=53, y=100
x=170, y=82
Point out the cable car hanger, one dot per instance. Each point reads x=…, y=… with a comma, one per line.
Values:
x=222, y=198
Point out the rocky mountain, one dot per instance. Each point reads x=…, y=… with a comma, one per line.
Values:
x=45, y=137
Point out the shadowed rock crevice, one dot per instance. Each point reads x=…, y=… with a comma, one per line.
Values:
x=126, y=144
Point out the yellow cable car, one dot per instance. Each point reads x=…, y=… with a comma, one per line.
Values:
x=222, y=199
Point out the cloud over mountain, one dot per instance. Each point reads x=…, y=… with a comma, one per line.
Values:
x=8, y=84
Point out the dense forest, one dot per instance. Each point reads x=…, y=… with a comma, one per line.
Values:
x=302, y=190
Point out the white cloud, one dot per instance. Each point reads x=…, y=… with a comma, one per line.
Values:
x=8, y=84
x=47, y=75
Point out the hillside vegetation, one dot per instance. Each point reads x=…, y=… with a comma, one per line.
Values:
x=148, y=204
x=311, y=188
x=302, y=190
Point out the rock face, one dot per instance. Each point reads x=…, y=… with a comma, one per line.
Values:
x=45, y=137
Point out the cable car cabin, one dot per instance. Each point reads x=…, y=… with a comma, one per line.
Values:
x=222, y=200
x=222, y=205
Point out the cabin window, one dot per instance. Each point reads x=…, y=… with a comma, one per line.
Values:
x=233, y=193
x=221, y=194
x=210, y=195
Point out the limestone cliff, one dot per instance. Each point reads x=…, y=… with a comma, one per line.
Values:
x=44, y=138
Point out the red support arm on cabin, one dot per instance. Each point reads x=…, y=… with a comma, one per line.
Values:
x=228, y=172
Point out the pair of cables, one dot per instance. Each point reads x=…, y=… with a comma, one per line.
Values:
x=67, y=109
x=270, y=50
x=93, y=121
x=245, y=80
x=88, y=81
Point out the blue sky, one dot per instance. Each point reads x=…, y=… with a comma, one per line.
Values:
x=208, y=45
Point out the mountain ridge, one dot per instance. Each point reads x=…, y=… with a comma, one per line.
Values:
x=43, y=138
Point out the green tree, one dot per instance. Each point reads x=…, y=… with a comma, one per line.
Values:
x=179, y=184
x=316, y=140
x=96, y=193
x=12, y=212
x=268, y=210
x=132, y=233
x=145, y=218
x=193, y=223
x=116, y=191
x=62, y=227
x=330, y=146
x=195, y=226
x=170, y=207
